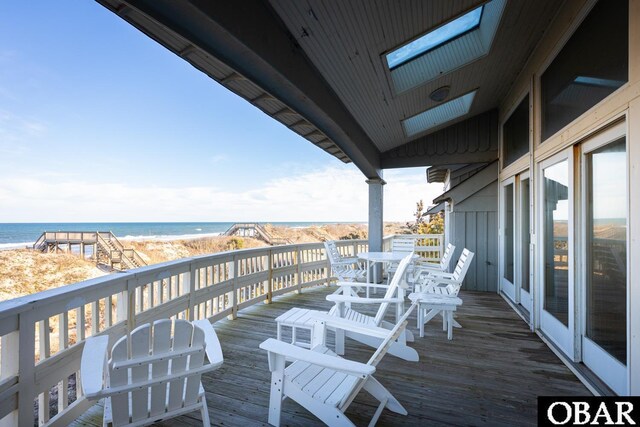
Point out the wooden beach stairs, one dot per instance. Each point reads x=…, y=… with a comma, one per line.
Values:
x=105, y=247
x=255, y=230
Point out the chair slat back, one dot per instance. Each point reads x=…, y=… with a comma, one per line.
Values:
x=168, y=359
x=379, y=354
x=446, y=257
x=393, y=288
x=403, y=244
x=463, y=264
x=391, y=338
x=333, y=254
x=161, y=344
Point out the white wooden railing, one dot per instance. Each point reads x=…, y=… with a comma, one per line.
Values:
x=42, y=335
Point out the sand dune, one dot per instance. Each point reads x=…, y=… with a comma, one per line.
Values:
x=24, y=272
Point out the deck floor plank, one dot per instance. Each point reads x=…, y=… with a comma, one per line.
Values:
x=490, y=373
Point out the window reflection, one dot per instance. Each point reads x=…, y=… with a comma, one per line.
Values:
x=556, y=247
x=508, y=233
x=607, y=249
x=591, y=66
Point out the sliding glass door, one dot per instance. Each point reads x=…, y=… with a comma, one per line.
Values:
x=508, y=238
x=515, y=243
x=605, y=206
x=524, y=242
x=556, y=250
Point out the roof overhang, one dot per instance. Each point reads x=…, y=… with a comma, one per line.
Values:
x=319, y=68
x=470, y=186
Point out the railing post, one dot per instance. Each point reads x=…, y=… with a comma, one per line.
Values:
x=233, y=269
x=9, y=367
x=328, y=268
x=270, y=279
x=189, y=284
x=298, y=260
x=26, y=379
x=125, y=307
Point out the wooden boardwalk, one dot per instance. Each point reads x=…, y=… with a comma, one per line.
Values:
x=490, y=374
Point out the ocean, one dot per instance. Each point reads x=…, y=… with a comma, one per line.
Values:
x=16, y=235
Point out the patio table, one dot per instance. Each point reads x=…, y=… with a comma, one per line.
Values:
x=372, y=258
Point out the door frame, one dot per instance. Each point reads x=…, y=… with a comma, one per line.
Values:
x=562, y=336
x=507, y=288
x=525, y=298
x=606, y=367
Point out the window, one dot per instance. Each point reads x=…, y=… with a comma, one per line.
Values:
x=440, y=51
x=438, y=115
x=606, y=296
x=524, y=233
x=591, y=66
x=515, y=134
x=556, y=240
x=508, y=233
x=435, y=38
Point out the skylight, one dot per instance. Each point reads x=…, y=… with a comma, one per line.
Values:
x=445, y=49
x=597, y=81
x=435, y=38
x=438, y=115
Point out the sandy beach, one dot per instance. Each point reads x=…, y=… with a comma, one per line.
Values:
x=25, y=271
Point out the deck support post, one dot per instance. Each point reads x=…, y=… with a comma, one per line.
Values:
x=376, y=227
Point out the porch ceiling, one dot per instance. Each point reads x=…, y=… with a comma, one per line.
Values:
x=319, y=67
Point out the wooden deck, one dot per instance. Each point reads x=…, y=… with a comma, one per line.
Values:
x=490, y=374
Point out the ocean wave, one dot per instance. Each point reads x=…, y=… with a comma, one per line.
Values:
x=7, y=246
x=169, y=237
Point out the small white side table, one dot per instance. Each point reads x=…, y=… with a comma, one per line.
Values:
x=429, y=305
x=297, y=318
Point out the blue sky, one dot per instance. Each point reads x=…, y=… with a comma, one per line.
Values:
x=100, y=123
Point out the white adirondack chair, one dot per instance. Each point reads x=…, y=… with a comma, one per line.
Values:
x=446, y=283
x=343, y=268
x=400, y=244
x=323, y=382
x=438, y=294
x=152, y=375
x=346, y=296
x=421, y=268
x=394, y=295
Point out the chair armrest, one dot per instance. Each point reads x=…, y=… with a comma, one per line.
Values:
x=293, y=352
x=442, y=281
x=92, y=365
x=350, y=260
x=424, y=262
x=337, y=322
x=361, y=300
x=439, y=273
x=213, y=349
x=420, y=269
x=361, y=285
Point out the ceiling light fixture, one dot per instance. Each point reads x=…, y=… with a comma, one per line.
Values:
x=440, y=94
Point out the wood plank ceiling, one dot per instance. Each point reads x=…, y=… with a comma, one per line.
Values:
x=329, y=57
x=346, y=41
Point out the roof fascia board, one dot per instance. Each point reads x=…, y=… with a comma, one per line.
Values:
x=471, y=185
x=250, y=38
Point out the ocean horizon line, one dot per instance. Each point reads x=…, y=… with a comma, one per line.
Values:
x=20, y=235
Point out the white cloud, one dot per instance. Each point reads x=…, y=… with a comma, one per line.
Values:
x=218, y=158
x=329, y=194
